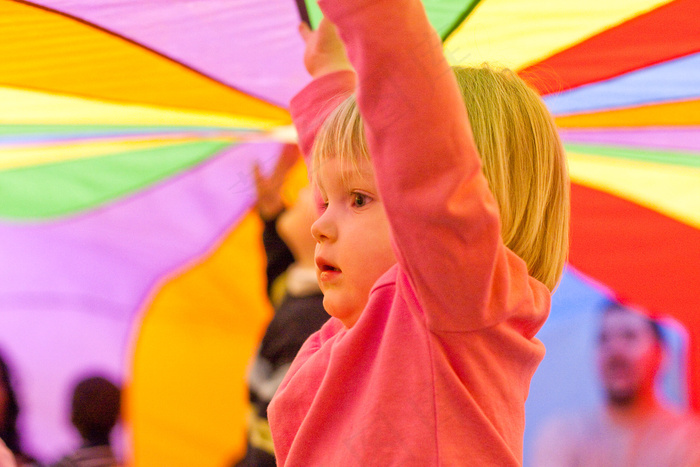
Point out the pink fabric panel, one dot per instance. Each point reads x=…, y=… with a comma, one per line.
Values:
x=673, y=139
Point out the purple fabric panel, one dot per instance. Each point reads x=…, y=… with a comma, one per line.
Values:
x=251, y=45
x=49, y=350
x=674, y=139
x=69, y=290
x=111, y=257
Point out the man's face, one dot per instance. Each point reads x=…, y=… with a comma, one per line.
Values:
x=628, y=354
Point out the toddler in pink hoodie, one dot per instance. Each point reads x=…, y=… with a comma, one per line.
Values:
x=442, y=232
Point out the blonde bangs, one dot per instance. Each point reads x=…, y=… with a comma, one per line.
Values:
x=341, y=136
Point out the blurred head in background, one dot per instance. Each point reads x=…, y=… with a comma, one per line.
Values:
x=95, y=409
x=294, y=227
x=9, y=409
x=630, y=351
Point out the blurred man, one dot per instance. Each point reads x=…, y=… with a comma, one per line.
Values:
x=634, y=428
x=95, y=411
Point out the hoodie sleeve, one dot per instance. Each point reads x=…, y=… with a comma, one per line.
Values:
x=315, y=102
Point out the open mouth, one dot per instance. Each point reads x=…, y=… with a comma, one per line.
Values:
x=326, y=270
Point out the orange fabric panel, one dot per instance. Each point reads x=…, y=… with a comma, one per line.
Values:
x=44, y=50
x=665, y=114
x=187, y=401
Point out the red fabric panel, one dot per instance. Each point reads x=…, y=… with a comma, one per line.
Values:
x=646, y=258
x=668, y=32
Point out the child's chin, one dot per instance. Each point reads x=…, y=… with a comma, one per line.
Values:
x=348, y=316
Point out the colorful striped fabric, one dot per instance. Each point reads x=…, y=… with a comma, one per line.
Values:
x=128, y=132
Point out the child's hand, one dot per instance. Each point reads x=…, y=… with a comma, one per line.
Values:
x=269, y=189
x=325, y=52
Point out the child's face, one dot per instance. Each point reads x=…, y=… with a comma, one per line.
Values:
x=353, y=246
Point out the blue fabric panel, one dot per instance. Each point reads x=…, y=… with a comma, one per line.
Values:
x=669, y=81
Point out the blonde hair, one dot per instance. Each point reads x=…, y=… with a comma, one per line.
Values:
x=341, y=136
x=522, y=159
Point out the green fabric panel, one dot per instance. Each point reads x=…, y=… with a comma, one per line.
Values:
x=687, y=159
x=314, y=11
x=444, y=15
x=447, y=15
x=68, y=187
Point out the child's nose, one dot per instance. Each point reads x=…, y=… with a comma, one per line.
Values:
x=323, y=228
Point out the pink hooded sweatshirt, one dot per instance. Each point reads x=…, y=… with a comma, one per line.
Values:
x=437, y=368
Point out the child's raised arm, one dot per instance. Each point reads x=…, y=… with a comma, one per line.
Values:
x=444, y=219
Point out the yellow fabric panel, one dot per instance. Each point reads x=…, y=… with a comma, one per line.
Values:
x=187, y=401
x=12, y=158
x=47, y=51
x=666, y=114
x=296, y=179
x=29, y=107
x=671, y=190
x=517, y=33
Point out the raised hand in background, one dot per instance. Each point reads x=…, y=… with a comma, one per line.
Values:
x=269, y=188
